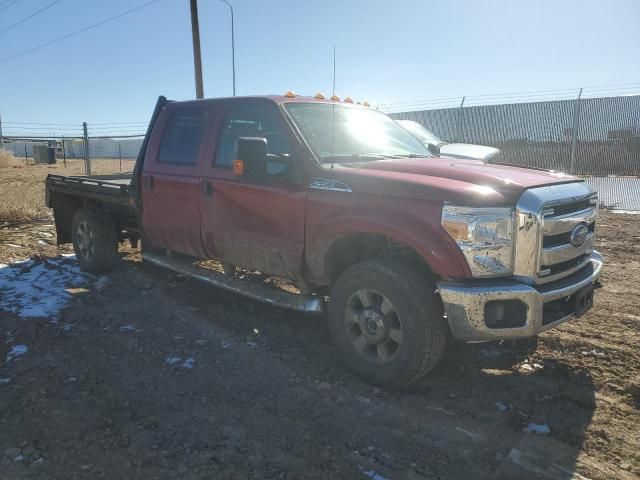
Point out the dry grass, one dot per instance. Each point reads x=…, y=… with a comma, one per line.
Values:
x=22, y=185
x=8, y=160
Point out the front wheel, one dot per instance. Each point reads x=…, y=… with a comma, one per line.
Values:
x=95, y=240
x=387, y=323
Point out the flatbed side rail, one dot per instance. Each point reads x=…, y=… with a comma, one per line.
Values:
x=88, y=187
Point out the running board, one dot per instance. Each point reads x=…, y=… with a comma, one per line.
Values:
x=261, y=293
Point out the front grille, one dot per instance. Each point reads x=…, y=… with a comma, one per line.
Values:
x=547, y=218
x=559, y=255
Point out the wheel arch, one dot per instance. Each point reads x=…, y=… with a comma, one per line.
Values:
x=350, y=241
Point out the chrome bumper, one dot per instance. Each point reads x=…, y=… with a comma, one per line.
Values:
x=464, y=304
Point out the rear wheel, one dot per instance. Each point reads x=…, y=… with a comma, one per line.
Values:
x=387, y=323
x=95, y=240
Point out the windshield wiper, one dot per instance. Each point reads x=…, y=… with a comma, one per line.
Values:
x=355, y=157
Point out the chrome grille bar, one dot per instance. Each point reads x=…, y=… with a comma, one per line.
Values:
x=566, y=223
x=562, y=253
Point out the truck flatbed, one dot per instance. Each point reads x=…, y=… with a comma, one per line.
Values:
x=110, y=188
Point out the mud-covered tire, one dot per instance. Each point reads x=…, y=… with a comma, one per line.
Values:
x=95, y=240
x=418, y=314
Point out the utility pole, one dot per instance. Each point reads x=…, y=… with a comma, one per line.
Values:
x=197, y=60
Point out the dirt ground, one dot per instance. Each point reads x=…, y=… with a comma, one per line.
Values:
x=151, y=375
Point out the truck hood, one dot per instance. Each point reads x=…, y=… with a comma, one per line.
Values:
x=461, y=181
x=469, y=151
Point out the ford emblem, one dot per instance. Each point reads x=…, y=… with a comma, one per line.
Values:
x=579, y=235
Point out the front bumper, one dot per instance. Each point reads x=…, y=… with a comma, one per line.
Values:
x=464, y=303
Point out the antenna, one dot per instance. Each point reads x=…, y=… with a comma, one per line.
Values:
x=333, y=106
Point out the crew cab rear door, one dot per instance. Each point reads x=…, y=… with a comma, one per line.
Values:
x=170, y=180
x=255, y=225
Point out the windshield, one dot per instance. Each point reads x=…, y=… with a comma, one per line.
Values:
x=421, y=133
x=343, y=133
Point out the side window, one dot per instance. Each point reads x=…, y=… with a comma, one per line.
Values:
x=258, y=121
x=182, y=135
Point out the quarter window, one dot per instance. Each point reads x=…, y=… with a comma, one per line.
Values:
x=182, y=136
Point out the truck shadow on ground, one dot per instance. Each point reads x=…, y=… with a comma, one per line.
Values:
x=174, y=380
x=510, y=396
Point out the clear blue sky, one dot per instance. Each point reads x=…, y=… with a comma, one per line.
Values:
x=387, y=51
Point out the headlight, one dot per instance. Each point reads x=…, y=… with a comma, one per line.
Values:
x=485, y=236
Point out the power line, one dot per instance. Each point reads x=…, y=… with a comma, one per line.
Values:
x=8, y=4
x=20, y=22
x=82, y=30
x=48, y=124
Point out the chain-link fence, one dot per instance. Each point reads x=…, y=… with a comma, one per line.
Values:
x=592, y=136
x=87, y=149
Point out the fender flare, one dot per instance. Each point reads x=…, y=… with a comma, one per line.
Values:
x=432, y=243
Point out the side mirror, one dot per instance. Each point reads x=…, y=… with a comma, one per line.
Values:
x=433, y=148
x=253, y=163
x=251, y=157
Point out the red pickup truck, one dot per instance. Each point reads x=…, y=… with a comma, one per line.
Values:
x=407, y=249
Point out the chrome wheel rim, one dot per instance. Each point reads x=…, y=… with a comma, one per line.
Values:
x=84, y=240
x=373, y=326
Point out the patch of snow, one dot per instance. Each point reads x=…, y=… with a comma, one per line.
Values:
x=42, y=242
x=127, y=328
x=542, y=429
x=36, y=288
x=593, y=353
x=4, y=381
x=226, y=344
x=19, y=458
x=372, y=474
x=501, y=406
x=187, y=363
x=67, y=327
x=16, y=352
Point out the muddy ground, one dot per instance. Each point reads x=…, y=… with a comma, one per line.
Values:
x=151, y=375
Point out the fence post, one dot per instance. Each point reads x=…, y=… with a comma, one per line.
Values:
x=120, y=156
x=459, y=134
x=26, y=162
x=574, y=133
x=64, y=153
x=1, y=137
x=87, y=160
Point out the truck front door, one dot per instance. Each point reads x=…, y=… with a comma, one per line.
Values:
x=171, y=178
x=255, y=225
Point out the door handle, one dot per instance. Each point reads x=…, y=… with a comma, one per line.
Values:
x=147, y=181
x=207, y=188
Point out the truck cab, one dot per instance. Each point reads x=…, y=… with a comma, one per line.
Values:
x=407, y=248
